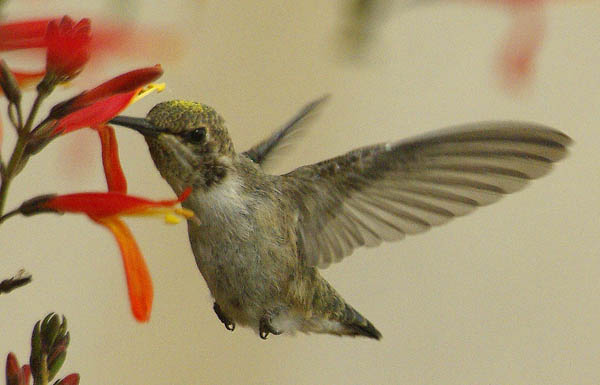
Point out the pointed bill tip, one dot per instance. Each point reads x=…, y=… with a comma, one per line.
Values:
x=141, y=125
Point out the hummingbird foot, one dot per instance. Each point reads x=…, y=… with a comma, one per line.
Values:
x=229, y=324
x=265, y=328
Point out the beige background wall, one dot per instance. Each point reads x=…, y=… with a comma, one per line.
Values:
x=508, y=295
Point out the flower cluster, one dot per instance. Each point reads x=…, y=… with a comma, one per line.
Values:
x=67, y=45
x=49, y=342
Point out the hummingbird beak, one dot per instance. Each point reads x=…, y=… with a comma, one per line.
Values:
x=141, y=125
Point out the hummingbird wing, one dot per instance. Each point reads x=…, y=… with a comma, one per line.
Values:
x=382, y=192
x=260, y=152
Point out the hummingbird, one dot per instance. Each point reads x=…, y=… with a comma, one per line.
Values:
x=259, y=239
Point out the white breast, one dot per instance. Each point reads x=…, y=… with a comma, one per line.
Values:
x=221, y=212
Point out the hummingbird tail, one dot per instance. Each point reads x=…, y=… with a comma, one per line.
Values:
x=357, y=325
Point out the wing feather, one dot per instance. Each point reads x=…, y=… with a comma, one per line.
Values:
x=383, y=192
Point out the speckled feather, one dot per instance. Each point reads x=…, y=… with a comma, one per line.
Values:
x=258, y=239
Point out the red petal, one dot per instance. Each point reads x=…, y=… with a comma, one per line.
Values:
x=139, y=283
x=95, y=114
x=23, y=34
x=27, y=78
x=129, y=81
x=68, y=47
x=126, y=83
x=115, y=179
x=185, y=194
x=102, y=205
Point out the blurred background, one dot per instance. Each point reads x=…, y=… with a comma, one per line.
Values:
x=507, y=295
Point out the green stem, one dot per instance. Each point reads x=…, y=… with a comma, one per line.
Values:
x=16, y=158
x=43, y=380
x=12, y=164
x=34, y=109
x=9, y=214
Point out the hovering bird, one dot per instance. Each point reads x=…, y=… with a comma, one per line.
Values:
x=259, y=240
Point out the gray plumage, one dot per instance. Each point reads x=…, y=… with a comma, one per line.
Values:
x=259, y=239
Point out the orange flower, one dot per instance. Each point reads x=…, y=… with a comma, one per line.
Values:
x=68, y=48
x=106, y=209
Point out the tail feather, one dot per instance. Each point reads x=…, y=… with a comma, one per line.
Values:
x=330, y=313
x=357, y=325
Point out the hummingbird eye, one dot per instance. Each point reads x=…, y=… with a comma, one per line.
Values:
x=197, y=135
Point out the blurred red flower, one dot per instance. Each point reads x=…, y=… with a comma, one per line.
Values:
x=107, y=39
x=68, y=48
x=523, y=42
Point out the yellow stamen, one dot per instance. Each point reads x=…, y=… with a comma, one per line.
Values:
x=147, y=89
x=184, y=212
x=172, y=219
x=172, y=215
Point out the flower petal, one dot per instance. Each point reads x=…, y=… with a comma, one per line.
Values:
x=23, y=34
x=68, y=48
x=26, y=79
x=115, y=179
x=123, y=84
x=95, y=114
x=139, y=283
x=97, y=205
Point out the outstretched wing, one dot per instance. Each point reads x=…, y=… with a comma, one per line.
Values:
x=382, y=192
x=260, y=153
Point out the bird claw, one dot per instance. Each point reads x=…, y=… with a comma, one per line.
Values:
x=229, y=324
x=265, y=328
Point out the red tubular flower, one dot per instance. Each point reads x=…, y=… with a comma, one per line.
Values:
x=68, y=48
x=107, y=40
x=95, y=107
x=106, y=209
x=99, y=105
x=23, y=34
x=115, y=179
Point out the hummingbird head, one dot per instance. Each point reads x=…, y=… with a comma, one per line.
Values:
x=188, y=142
